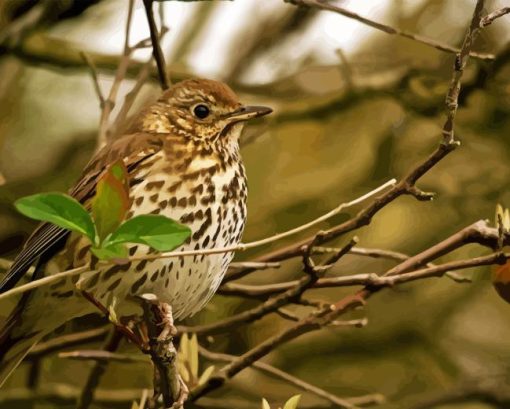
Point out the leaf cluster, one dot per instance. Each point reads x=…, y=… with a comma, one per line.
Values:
x=105, y=225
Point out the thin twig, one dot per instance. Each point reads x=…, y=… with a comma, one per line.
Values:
x=275, y=303
x=276, y=237
x=120, y=74
x=97, y=372
x=102, y=355
x=95, y=79
x=156, y=46
x=318, y=319
x=386, y=28
x=336, y=400
x=241, y=247
x=67, y=341
x=489, y=18
x=253, y=264
x=43, y=281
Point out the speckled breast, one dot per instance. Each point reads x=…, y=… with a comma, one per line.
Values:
x=207, y=195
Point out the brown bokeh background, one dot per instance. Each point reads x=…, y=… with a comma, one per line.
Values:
x=339, y=129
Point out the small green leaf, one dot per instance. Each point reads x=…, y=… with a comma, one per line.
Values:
x=265, y=404
x=156, y=231
x=59, y=209
x=111, y=252
x=111, y=202
x=292, y=402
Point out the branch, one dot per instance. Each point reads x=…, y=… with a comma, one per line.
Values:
x=322, y=5
x=97, y=372
x=336, y=400
x=67, y=341
x=292, y=294
x=102, y=355
x=64, y=394
x=461, y=59
x=95, y=79
x=241, y=247
x=328, y=314
x=109, y=103
x=167, y=382
x=489, y=18
x=407, y=184
x=156, y=46
x=43, y=281
x=271, y=239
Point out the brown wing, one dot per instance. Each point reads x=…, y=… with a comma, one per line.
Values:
x=47, y=239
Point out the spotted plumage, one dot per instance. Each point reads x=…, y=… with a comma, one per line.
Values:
x=183, y=160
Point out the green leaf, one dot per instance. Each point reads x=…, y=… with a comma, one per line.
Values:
x=59, y=209
x=111, y=202
x=292, y=402
x=156, y=231
x=111, y=252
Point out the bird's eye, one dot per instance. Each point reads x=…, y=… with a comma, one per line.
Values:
x=201, y=111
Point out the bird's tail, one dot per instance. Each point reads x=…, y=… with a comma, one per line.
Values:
x=14, y=345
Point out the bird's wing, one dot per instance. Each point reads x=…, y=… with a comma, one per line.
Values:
x=48, y=239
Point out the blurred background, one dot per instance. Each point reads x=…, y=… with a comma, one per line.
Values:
x=354, y=107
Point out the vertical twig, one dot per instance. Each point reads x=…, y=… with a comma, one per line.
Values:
x=109, y=103
x=156, y=46
x=461, y=59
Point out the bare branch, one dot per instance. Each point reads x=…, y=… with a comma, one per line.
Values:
x=95, y=80
x=489, y=18
x=340, y=402
x=156, y=46
x=67, y=341
x=385, y=28
x=97, y=372
x=102, y=355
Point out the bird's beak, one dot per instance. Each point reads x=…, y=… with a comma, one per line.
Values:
x=248, y=112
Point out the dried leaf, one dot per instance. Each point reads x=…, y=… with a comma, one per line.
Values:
x=292, y=402
x=193, y=356
x=206, y=375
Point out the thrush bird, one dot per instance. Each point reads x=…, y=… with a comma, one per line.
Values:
x=182, y=156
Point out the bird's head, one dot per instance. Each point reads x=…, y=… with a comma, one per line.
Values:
x=203, y=110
